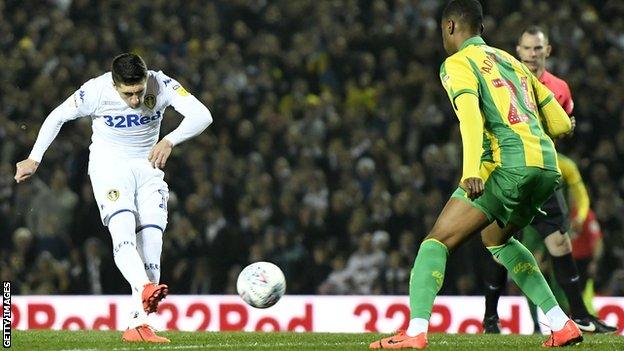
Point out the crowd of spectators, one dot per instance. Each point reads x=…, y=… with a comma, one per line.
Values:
x=333, y=146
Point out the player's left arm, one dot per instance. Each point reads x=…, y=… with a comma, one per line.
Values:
x=197, y=118
x=554, y=118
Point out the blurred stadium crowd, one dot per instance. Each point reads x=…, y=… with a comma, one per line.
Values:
x=333, y=146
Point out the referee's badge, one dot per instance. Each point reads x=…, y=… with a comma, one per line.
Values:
x=150, y=101
x=113, y=194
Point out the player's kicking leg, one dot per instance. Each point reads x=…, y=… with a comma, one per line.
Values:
x=149, y=246
x=121, y=226
x=151, y=202
x=138, y=328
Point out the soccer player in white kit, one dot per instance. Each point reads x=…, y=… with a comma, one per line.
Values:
x=126, y=107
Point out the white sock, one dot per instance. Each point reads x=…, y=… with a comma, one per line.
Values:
x=149, y=244
x=557, y=318
x=417, y=326
x=137, y=315
x=127, y=259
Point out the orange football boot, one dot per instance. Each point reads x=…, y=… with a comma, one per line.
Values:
x=142, y=333
x=569, y=335
x=401, y=341
x=151, y=296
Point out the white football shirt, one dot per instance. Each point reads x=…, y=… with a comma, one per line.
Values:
x=120, y=131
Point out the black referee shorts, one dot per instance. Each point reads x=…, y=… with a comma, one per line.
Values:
x=556, y=218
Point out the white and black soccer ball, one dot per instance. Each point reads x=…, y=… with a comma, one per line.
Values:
x=261, y=284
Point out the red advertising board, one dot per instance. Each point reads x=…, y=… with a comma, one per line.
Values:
x=352, y=314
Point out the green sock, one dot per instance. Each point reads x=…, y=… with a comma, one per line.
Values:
x=524, y=271
x=427, y=277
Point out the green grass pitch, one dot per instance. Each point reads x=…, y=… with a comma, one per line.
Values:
x=108, y=340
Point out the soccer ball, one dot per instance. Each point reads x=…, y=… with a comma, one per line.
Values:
x=261, y=284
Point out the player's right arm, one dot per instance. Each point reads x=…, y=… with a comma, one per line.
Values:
x=461, y=85
x=78, y=105
x=554, y=118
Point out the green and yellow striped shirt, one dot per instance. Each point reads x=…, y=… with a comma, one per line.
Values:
x=510, y=98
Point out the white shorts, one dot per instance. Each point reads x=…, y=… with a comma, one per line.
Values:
x=130, y=185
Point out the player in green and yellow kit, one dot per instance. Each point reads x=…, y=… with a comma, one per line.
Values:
x=507, y=119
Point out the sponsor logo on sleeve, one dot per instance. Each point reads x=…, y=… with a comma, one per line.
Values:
x=150, y=101
x=446, y=80
x=80, y=94
x=180, y=90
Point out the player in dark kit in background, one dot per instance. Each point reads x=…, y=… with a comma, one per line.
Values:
x=533, y=49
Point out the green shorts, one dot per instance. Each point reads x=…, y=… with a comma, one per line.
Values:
x=514, y=195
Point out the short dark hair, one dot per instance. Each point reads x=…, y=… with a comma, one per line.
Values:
x=128, y=69
x=469, y=12
x=534, y=30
